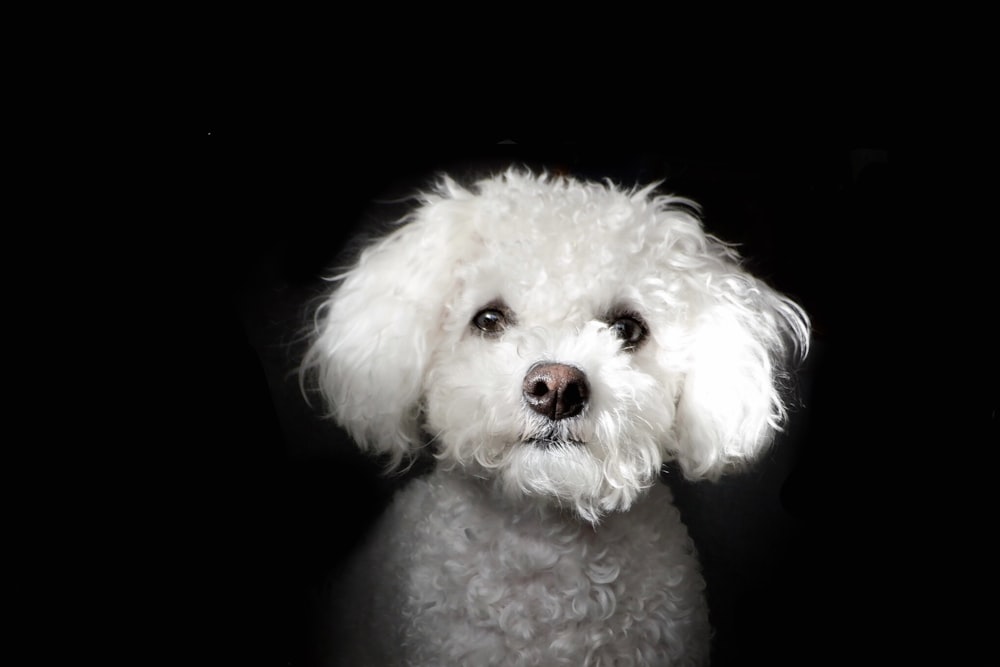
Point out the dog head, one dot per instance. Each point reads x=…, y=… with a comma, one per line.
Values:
x=563, y=338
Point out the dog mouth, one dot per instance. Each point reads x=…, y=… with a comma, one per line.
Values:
x=552, y=442
x=553, y=435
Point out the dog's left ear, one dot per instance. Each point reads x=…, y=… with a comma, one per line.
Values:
x=744, y=344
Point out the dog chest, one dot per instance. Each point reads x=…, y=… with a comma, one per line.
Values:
x=473, y=578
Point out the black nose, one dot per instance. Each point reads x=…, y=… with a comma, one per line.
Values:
x=556, y=391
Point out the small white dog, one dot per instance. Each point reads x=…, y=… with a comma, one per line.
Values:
x=553, y=342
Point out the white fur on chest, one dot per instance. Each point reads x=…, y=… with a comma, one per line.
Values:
x=454, y=575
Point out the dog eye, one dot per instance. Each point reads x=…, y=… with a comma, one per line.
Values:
x=630, y=329
x=491, y=320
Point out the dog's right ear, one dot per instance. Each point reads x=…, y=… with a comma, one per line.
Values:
x=375, y=334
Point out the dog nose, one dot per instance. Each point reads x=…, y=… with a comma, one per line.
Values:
x=557, y=391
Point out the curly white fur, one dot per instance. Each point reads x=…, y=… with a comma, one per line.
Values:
x=537, y=541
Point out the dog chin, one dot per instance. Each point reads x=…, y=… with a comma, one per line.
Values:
x=564, y=473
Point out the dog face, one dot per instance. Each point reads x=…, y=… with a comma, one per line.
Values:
x=563, y=338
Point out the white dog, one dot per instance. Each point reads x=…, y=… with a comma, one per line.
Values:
x=553, y=343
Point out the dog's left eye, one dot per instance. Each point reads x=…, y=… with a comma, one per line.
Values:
x=630, y=329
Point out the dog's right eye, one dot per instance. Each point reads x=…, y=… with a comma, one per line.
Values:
x=491, y=320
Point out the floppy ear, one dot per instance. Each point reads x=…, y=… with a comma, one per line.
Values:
x=742, y=346
x=375, y=334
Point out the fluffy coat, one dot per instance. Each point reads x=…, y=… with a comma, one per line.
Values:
x=553, y=342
